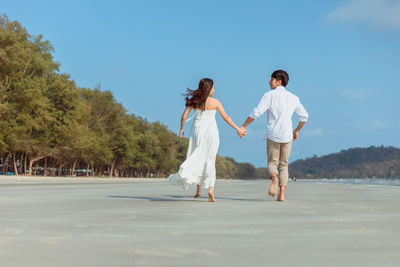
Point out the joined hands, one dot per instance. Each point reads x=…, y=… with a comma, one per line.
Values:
x=241, y=132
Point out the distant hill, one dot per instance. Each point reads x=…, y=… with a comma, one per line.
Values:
x=382, y=162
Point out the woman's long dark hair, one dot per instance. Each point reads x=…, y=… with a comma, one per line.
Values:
x=197, y=98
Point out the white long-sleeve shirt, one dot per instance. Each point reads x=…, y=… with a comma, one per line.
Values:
x=279, y=105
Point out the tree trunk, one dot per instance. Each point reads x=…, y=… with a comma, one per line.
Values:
x=112, y=169
x=60, y=170
x=31, y=161
x=6, y=163
x=73, y=167
x=26, y=156
x=30, y=167
x=93, y=168
x=45, y=166
x=87, y=170
x=54, y=168
x=21, y=170
x=15, y=164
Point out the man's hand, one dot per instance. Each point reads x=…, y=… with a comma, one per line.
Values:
x=297, y=130
x=295, y=135
x=181, y=133
x=241, y=132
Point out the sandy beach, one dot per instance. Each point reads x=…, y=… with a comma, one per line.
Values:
x=142, y=222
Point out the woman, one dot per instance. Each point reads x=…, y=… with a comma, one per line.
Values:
x=199, y=166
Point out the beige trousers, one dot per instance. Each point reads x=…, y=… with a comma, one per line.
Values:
x=278, y=158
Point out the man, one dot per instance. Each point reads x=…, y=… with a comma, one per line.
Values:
x=279, y=105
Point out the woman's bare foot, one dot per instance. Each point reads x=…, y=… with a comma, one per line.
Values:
x=198, y=192
x=211, y=198
x=211, y=195
x=273, y=187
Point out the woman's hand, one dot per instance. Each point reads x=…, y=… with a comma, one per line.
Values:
x=183, y=120
x=241, y=132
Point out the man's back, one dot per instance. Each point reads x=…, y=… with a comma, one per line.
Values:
x=280, y=105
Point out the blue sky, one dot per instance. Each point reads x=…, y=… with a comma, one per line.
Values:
x=343, y=59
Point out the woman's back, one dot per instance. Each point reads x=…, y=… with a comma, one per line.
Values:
x=199, y=166
x=211, y=107
x=211, y=103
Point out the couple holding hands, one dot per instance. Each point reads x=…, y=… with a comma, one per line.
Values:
x=199, y=166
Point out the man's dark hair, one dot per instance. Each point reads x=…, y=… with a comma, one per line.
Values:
x=281, y=75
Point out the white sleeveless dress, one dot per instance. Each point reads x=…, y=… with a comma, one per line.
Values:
x=199, y=166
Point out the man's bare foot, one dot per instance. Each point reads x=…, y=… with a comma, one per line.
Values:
x=273, y=187
x=280, y=199
x=281, y=194
x=197, y=195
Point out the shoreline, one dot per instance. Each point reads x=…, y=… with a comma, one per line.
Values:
x=153, y=178
x=20, y=179
x=165, y=178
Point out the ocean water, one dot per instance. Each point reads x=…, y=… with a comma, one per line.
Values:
x=370, y=181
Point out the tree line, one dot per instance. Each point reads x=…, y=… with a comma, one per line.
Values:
x=380, y=162
x=50, y=126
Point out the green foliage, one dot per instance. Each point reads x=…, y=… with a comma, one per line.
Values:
x=226, y=167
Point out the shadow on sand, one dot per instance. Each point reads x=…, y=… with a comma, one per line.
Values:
x=186, y=198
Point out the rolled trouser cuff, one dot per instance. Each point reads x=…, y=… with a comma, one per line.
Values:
x=283, y=179
x=272, y=169
x=283, y=175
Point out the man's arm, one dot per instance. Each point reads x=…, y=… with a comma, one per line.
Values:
x=257, y=112
x=247, y=122
x=302, y=113
x=297, y=130
x=242, y=131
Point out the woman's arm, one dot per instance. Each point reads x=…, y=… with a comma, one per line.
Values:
x=225, y=116
x=183, y=120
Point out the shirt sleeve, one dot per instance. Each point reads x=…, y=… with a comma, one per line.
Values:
x=263, y=106
x=301, y=112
